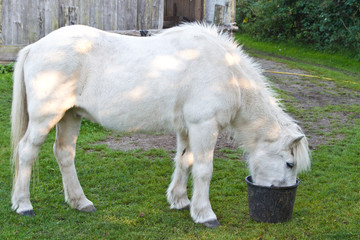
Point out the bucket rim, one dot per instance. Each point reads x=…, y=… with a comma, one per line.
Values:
x=248, y=180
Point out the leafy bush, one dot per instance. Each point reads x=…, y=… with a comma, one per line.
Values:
x=327, y=24
x=9, y=68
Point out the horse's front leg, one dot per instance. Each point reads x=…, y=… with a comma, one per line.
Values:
x=202, y=141
x=177, y=192
x=67, y=131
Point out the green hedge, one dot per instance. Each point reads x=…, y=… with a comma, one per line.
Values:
x=7, y=68
x=326, y=24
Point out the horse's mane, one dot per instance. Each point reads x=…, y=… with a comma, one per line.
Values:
x=196, y=27
x=223, y=40
x=203, y=30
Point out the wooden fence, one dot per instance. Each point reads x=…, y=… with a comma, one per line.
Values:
x=26, y=21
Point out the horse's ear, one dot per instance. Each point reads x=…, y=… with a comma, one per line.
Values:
x=300, y=150
x=296, y=140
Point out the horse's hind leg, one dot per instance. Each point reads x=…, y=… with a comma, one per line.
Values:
x=67, y=131
x=27, y=151
x=176, y=193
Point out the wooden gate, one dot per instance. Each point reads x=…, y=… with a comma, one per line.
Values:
x=176, y=11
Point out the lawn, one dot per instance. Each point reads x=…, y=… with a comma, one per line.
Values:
x=128, y=187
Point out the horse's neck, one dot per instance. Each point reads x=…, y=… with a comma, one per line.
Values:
x=260, y=119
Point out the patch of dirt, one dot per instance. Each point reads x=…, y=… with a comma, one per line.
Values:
x=165, y=141
x=141, y=141
x=306, y=93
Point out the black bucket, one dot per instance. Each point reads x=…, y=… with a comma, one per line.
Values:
x=271, y=204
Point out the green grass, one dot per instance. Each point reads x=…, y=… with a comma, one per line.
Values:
x=128, y=188
x=342, y=69
x=303, y=53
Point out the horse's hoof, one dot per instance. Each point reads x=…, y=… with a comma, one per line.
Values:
x=89, y=208
x=185, y=208
x=29, y=213
x=211, y=224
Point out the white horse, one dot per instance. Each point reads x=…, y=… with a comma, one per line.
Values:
x=188, y=79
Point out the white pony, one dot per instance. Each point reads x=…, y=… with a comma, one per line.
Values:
x=188, y=79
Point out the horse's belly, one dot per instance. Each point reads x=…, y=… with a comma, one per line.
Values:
x=126, y=115
x=134, y=117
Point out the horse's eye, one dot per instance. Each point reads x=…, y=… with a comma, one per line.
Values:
x=290, y=164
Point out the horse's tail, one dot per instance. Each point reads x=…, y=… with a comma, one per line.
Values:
x=19, y=113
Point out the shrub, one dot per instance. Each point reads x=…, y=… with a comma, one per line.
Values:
x=9, y=68
x=327, y=24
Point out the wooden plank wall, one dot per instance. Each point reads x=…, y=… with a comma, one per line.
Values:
x=25, y=21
